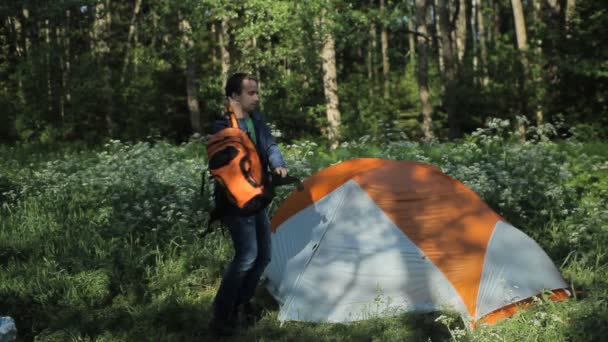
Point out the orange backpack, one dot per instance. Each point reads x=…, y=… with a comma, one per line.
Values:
x=235, y=165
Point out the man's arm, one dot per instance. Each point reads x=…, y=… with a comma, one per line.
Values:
x=275, y=158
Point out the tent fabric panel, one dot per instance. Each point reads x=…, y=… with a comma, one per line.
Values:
x=320, y=184
x=515, y=268
x=292, y=245
x=511, y=309
x=447, y=221
x=358, y=272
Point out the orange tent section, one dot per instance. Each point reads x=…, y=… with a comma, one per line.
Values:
x=406, y=227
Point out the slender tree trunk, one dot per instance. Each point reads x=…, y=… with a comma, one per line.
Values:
x=130, y=38
x=475, y=36
x=22, y=47
x=522, y=46
x=66, y=68
x=482, y=42
x=555, y=10
x=224, y=44
x=385, y=59
x=60, y=33
x=25, y=36
x=20, y=51
x=190, y=73
x=450, y=69
x=17, y=28
x=214, y=51
x=422, y=74
x=461, y=30
x=155, y=33
x=439, y=42
x=411, y=39
x=370, y=65
x=9, y=46
x=48, y=48
x=570, y=7
x=330, y=82
x=101, y=48
x=373, y=46
x=536, y=17
x=68, y=58
x=520, y=27
x=497, y=21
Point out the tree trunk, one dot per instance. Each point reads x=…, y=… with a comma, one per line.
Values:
x=60, y=33
x=22, y=47
x=385, y=59
x=520, y=25
x=190, y=73
x=422, y=74
x=24, y=38
x=536, y=18
x=130, y=38
x=461, y=29
x=68, y=58
x=373, y=46
x=17, y=28
x=66, y=68
x=482, y=43
x=224, y=44
x=412, y=39
x=555, y=10
x=450, y=71
x=439, y=42
x=101, y=49
x=522, y=46
x=475, y=36
x=155, y=18
x=497, y=21
x=570, y=7
x=214, y=50
x=49, y=86
x=330, y=83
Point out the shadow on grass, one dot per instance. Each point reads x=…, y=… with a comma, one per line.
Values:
x=407, y=327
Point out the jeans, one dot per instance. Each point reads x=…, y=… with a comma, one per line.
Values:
x=251, y=241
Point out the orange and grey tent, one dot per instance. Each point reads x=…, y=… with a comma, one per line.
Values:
x=372, y=237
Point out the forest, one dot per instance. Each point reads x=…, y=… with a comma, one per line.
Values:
x=88, y=71
x=105, y=107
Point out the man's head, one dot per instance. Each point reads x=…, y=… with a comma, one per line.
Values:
x=242, y=88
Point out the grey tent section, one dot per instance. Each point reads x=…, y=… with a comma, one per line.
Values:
x=355, y=264
x=8, y=329
x=293, y=246
x=515, y=268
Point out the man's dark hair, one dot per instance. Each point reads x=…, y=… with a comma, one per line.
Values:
x=235, y=83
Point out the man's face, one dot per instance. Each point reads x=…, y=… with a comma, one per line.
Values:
x=248, y=98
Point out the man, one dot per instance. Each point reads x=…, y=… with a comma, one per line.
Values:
x=250, y=234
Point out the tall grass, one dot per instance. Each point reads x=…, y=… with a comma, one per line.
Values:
x=105, y=244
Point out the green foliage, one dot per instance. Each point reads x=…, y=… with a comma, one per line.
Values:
x=103, y=244
x=62, y=87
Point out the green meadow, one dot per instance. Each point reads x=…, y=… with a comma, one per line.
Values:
x=104, y=243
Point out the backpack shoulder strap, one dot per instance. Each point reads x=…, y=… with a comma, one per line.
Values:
x=231, y=117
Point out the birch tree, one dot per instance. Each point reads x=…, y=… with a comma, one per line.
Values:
x=522, y=46
x=450, y=70
x=384, y=43
x=422, y=74
x=330, y=79
x=190, y=72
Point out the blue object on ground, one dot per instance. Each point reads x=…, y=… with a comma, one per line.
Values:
x=8, y=329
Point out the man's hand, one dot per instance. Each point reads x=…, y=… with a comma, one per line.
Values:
x=281, y=171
